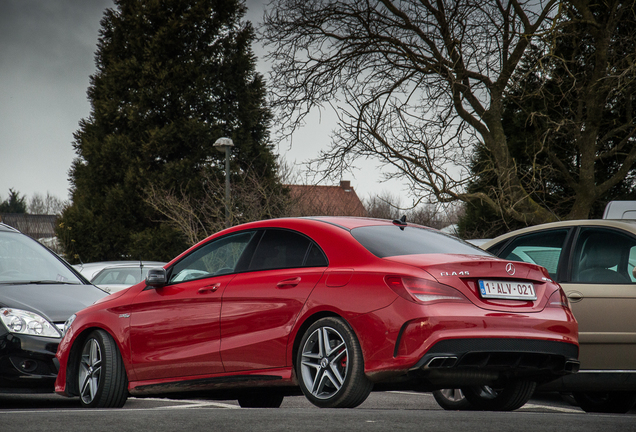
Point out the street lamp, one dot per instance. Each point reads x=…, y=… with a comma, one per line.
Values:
x=225, y=145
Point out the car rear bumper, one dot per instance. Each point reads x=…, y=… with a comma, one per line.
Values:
x=558, y=357
x=469, y=361
x=26, y=363
x=462, y=337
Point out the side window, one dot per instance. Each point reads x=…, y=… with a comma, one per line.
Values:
x=315, y=257
x=286, y=249
x=603, y=256
x=215, y=258
x=542, y=248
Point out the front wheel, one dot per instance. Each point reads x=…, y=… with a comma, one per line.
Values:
x=330, y=366
x=510, y=397
x=606, y=402
x=101, y=376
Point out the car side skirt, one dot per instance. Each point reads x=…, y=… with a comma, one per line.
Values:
x=271, y=378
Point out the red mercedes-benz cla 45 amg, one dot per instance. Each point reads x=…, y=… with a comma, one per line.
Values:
x=332, y=306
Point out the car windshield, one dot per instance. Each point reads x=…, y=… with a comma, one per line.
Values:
x=385, y=241
x=24, y=260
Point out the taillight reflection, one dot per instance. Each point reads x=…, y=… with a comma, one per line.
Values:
x=424, y=291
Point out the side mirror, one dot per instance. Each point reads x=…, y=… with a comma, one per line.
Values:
x=634, y=272
x=156, y=277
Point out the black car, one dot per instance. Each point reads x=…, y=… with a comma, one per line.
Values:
x=39, y=291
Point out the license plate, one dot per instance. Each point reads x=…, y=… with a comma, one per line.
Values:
x=511, y=290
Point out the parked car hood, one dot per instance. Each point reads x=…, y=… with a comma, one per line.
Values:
x=56, y=302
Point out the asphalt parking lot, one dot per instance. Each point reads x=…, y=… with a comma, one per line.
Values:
x=377, y=400
x=382, y=412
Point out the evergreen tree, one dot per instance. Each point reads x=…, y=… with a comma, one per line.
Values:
x=14, y=204
x=172, y=77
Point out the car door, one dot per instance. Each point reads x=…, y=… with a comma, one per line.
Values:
x=602, y=291
x=261, y=305
x=174, y=330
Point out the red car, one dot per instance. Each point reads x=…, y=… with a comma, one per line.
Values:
x=332, y=305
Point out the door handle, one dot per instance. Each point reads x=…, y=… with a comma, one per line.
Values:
x=209, y=288
x=574, y=296
x=288, y=283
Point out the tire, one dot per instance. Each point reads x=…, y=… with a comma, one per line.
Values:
x=606, y=402
x=452, y=400
x=261, y=400
x=101, y=375
x=330, y=365
x=512, y=396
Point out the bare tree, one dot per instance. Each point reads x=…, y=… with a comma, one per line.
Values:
x=46, y=205
x=384, y=206
x=419, y=84
x=388, y=206
x=250, y=199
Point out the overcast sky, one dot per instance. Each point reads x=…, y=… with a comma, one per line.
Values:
x=47, y=53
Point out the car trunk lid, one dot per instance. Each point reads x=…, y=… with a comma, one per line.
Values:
x=464, y=272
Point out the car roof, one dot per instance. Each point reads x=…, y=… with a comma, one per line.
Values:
x=351, y=222
x=344, y=222
x=624, y=224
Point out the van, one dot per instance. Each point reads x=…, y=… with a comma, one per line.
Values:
x=620, y=210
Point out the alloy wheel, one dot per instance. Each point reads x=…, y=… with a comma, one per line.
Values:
x=324, y=362
x=90, y=369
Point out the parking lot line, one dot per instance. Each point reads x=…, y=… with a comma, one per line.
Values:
x=190, y=404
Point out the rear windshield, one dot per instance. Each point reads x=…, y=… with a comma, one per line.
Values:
x=385, y=241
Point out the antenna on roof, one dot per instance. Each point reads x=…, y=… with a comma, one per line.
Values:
x=401, y=222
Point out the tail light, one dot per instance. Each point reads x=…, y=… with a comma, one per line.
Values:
x=423, y=291
x=558, y=299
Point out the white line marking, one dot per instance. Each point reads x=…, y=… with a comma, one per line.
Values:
x=188, y=403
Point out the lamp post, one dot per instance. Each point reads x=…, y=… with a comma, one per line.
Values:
x=225, y=145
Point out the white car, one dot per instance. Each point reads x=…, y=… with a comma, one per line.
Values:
x=112, y=276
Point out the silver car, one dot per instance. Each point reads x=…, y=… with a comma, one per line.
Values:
x=113, y=276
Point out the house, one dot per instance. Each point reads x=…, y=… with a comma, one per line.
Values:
x=325, y=200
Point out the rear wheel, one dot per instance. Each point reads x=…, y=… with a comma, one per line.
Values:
x=330, y=366
x=101, y=376
x=261, y=400
x=510, y=397
x=605, y=402
x=452, y=399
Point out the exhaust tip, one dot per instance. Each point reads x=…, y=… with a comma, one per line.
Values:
x=572, y=366
x=441, y=362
